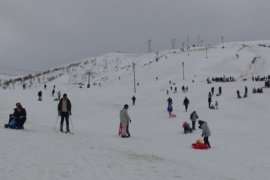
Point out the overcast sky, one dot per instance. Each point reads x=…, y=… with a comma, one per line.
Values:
x=39, y=34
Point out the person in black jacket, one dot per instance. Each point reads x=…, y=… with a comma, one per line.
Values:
x=169, y=100
x=20, y=116
x=133, y=100
x=64, y=110
x=40, y=95
x=186, y=103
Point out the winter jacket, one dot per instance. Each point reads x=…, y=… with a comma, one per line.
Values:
x=186, y=102
x=194, y=116
x=170, y=108
x=124, y=117
x=205, y=130
x=19, y=114
x=61, y=103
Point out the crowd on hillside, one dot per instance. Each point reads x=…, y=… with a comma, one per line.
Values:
x=18, y=118
x=220, y=79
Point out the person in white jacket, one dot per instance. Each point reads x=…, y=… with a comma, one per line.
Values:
x=205, y=132
x=125, y=120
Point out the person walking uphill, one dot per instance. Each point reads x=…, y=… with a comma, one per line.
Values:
x=124, y=122
x=205, y=132
x=186, y=103
x=64, y=110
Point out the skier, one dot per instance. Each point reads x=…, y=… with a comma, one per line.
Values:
x=40, y=95
x=193, y=118
x=64, y=110
x=205, y=132
x=124, y=122
x=186, y=103
x=45, y=86
x=133, y=100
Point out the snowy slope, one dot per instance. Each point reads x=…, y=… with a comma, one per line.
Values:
x=158, y=148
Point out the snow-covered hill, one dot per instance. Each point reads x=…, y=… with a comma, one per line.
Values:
x=240, y=59
x=158, y=149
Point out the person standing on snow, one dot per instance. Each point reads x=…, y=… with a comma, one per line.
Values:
x=205, y=132
x=193, y=118
x=219, y=90
x=186, y=103
x=169, y=100
x=209, y=101
x=170, y=109
x=59, y=95
x=124, y=122
x=53, y=91
x=40, y=95
x=64, y=110
x=133, y=100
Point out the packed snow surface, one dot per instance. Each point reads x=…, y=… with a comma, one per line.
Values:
x=157, y=149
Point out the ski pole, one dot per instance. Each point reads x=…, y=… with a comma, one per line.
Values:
x=72, y=125
x=56, y=122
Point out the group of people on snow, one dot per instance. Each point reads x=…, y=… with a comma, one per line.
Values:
x=18, y=118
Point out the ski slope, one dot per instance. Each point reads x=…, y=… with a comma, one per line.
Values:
x=158, y=149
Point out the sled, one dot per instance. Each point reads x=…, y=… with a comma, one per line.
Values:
x=120, y=129
x=173, y=115
x=199, y=145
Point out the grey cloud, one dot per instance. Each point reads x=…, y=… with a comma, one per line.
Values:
x=40, y=34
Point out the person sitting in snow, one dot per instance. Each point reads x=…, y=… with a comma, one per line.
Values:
x=18, y=118
x=11, y=122
x=187, y=128
x=205, y=132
